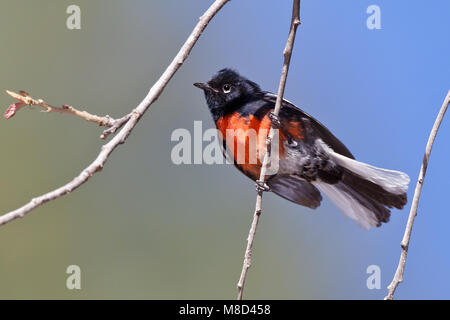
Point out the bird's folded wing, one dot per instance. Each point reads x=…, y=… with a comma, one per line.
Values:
x=295, y=189
x=291, y=113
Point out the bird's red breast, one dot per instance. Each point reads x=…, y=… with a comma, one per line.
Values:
x=245, y=137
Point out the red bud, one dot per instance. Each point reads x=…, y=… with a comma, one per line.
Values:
x=11, y=111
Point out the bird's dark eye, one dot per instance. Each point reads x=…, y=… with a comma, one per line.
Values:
x=226, y=88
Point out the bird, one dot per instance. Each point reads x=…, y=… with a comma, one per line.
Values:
x=311, y=160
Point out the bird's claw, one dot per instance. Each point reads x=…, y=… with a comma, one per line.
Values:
x=275, y=120
x=261, y=186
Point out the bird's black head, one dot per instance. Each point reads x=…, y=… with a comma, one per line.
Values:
x=227, y=91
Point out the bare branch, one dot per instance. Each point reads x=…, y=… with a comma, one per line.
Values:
x=258, y=207
x=128, y=124
x=117, y=124
x=398, y=277
x=26, y=100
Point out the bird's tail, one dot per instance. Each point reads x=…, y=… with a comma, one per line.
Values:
x=365, y=193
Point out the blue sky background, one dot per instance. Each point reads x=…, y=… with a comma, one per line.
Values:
x=145, y=228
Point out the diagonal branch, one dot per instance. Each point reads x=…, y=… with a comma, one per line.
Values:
x=258, y=207
x=128, y=124
x=398, y=277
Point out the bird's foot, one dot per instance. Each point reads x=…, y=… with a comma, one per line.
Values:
x=261, y=186
x=275, y=120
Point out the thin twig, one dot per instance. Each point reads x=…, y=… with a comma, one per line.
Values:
x=26, y=100
x=258, y=207
x=398, y=277
x=134, y=117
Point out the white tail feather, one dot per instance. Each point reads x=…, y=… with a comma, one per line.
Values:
x=395, y=182
x=347, y=204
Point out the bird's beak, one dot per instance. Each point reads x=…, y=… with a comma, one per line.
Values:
x=201, y=85
x=204, y=86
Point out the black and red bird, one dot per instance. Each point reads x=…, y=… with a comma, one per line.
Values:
x=311, y=158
